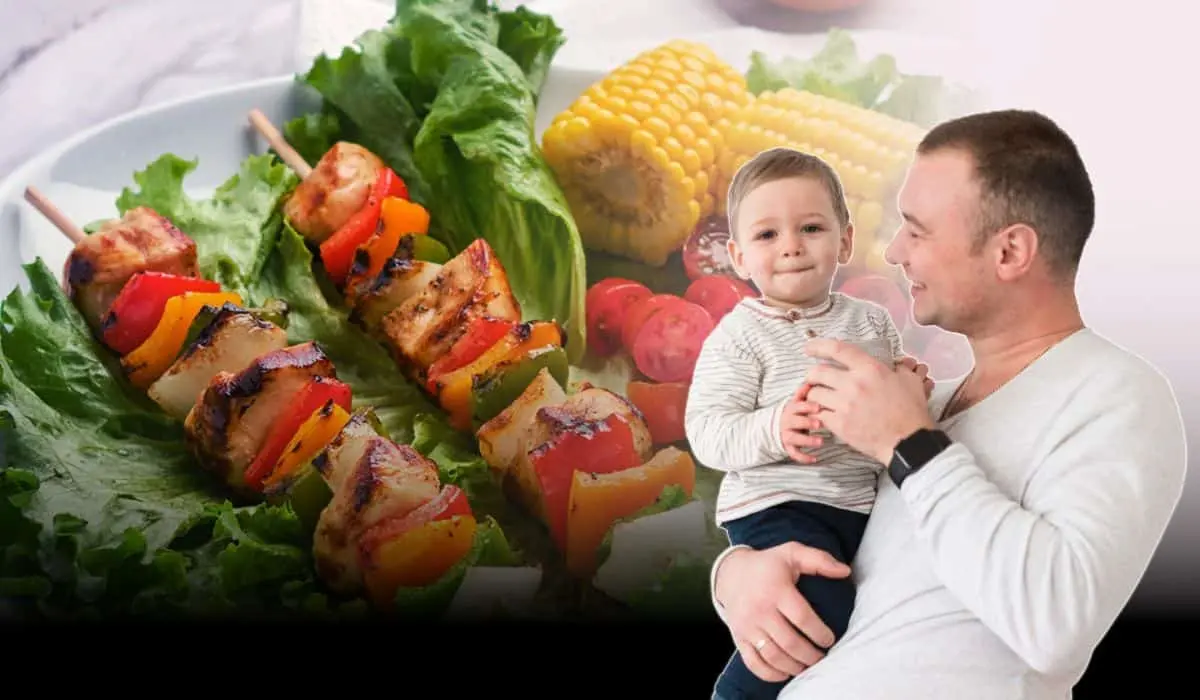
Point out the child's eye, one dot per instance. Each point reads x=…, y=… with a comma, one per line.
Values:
x=762, y=235
x=813, y=228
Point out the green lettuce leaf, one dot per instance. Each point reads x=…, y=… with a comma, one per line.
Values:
x=103, y=511
x=839, y=72
x=531, y=40
x=361, y=87
x=234, y=230
x=446, y=95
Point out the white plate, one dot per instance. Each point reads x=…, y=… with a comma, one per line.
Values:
x=85, y=173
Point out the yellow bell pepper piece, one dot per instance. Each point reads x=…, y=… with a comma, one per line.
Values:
x=454, y=389
x=417, y=558
x=312, y=436
x=147, y=363
x=401, y=216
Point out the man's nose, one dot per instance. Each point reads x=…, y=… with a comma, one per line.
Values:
x=893, y=254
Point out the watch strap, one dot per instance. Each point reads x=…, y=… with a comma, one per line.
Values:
x=915, y=451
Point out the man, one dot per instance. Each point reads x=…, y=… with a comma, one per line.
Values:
x=1022, y=504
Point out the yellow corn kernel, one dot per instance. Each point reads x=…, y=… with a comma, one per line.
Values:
x=869, y=150
x=638, y=155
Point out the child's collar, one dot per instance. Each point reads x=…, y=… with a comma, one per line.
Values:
x=795, y=313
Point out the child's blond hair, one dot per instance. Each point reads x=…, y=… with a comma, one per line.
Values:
x=779, y=164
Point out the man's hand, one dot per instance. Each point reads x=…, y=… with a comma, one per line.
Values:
x=866, y=403
x=922, y=371
x=764, y=609
x=797, y=424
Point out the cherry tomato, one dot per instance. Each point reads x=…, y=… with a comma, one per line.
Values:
x=668, y=344
x=640, y=312
x=705, y=252
x=663, y=405
x=607, y=303
x=599, y=288
x=718, y=295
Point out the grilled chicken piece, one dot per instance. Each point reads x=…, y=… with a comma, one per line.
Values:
x=101, y=264
x=502, y=438
x=233, y=339
x=234, y=414
x=373, y=479
x=551, y=421
x=425, y=326
x=399, y=280
x=335, y=190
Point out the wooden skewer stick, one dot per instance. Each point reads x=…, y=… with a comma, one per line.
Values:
x=281, y=146
x=54, y=214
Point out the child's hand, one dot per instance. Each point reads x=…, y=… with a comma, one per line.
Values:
x=920, y=368
x=797, y=423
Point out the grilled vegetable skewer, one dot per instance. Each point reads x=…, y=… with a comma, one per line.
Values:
x=271, y=420
x=579, y=462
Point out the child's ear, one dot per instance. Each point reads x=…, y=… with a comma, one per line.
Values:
x=846, y=249
x=735, y=257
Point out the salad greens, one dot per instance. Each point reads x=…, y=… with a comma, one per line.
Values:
x=446, y=94
x=104, y=511
x=837, y=71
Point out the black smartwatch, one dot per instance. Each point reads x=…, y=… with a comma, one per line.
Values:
x=914, y=451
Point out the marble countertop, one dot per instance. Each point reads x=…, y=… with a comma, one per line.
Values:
x=65, y=66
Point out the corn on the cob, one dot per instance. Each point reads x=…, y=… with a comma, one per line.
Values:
x=637, y=154
x=869, y=150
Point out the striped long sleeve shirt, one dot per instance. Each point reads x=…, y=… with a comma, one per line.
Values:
x=749, y=368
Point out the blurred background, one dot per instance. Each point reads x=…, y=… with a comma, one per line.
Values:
x=1116, y=75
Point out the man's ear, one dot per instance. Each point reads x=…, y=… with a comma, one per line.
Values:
x=846, y=245
x=1014, y=249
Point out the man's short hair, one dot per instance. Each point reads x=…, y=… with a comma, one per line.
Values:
x=1029, y=172
x=779, y=164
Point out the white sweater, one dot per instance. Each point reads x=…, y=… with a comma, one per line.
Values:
x=749, y=368
x=1004, y=561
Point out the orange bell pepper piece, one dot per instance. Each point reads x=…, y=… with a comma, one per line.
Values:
x=148, y=361
x=599, y=500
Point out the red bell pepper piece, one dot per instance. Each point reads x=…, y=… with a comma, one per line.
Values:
x=337, y=251
x=450, y=502
x=483, y=333
x=595, y=447
x=139, y=307
x=313, y=396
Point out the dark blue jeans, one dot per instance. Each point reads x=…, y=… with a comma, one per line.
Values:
x=817, y=525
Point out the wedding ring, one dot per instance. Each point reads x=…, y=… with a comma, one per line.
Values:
x=760, y=644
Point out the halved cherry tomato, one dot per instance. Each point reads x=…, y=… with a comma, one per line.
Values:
x=337, y=251
x=606, y=308
x=483, y=333
x=705, y=252
x=667, y=346
x=600, y=287
x=718, y=295
x=641, y=311
x=663, y=404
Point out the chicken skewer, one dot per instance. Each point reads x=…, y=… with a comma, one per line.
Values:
x=248, y=398
x=578, y=462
